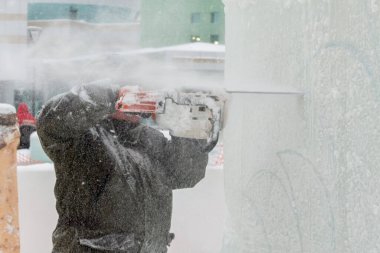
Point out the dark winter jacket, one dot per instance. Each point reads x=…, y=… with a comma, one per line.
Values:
x=114, y=180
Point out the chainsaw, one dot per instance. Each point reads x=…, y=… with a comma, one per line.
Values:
x=187, y=114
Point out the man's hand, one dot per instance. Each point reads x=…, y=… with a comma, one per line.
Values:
x=130, y=118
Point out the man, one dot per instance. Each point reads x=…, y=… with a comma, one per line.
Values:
x=114, y=176
x=27, y=125
x=24, y=116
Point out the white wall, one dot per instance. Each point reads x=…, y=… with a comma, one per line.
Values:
x=302, y=172
x=37, y=214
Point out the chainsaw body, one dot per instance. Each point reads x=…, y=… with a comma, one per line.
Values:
x=196, y=115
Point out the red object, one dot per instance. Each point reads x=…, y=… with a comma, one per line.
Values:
x=124, y=117
x=133, y=100
x=24, y=116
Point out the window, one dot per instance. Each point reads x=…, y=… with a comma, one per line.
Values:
x=214, y=38
x=73, y=12
x=33, y=34
x=195, y=38
x=215, y=17
x=195, y=17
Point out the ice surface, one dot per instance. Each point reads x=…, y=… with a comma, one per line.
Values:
x=302, y=171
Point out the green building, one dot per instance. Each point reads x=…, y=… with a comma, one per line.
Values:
x=89, y=13
x=173, y=22
x=83, y=10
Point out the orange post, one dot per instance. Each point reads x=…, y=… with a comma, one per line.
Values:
x=9, y=141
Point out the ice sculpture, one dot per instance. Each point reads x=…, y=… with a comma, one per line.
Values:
x=303, y=131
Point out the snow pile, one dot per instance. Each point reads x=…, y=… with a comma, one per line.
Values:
x=7, y=109
x=8, y=127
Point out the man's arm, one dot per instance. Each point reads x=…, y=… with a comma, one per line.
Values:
x=184, y=159
x=66, y=116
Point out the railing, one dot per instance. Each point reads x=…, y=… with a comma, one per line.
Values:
x=25, y=159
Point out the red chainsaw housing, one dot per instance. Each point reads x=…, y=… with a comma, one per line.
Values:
x=133, y=100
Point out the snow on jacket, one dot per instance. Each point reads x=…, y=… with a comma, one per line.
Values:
x=114, y=180
x=24, y=116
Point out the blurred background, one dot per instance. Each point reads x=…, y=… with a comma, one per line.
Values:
x=49, y=46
